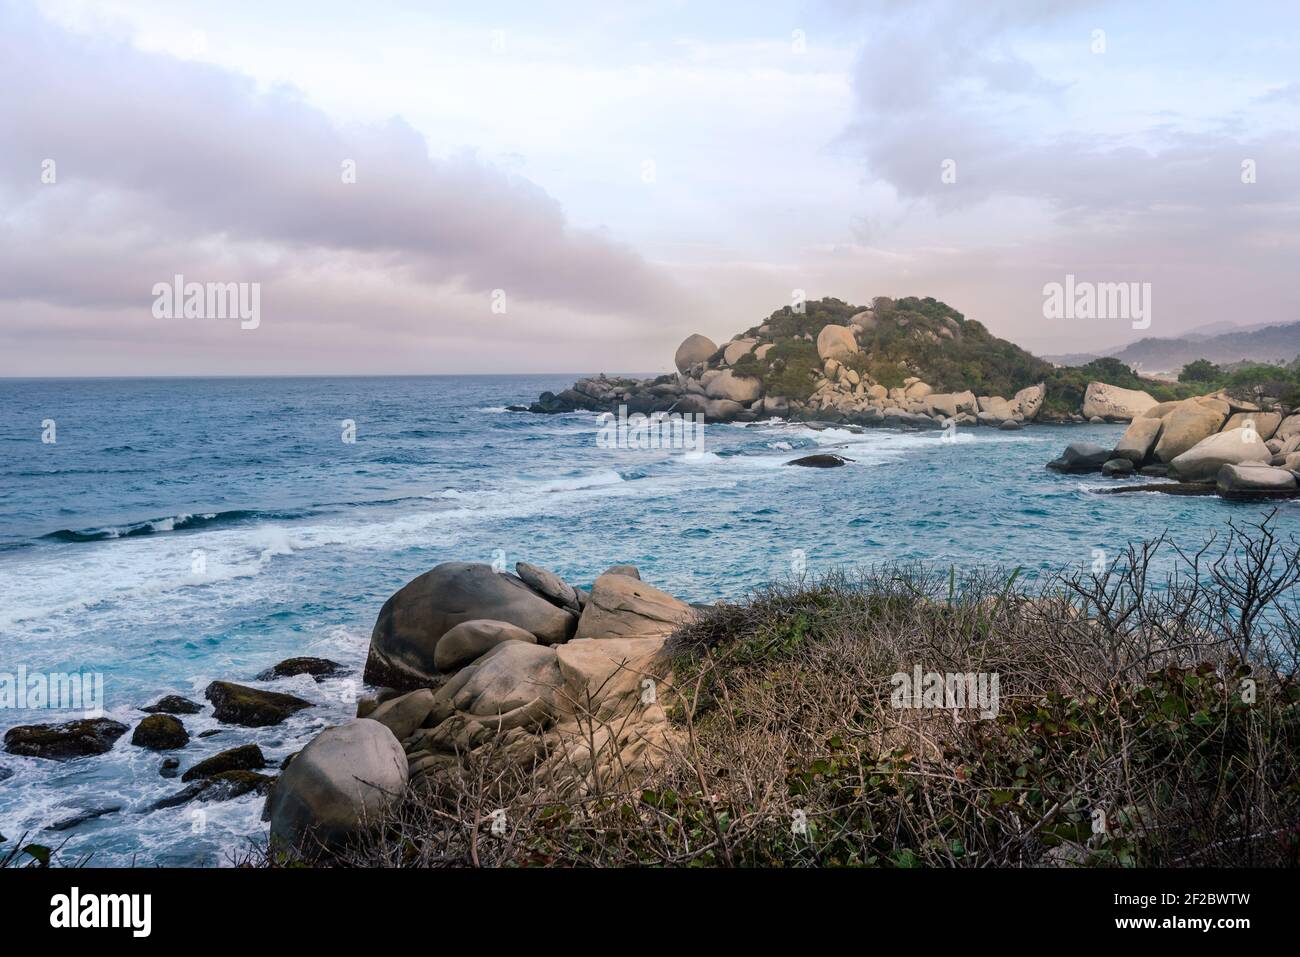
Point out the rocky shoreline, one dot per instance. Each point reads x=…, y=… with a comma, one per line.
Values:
x=547, y=675
x=1211, y=444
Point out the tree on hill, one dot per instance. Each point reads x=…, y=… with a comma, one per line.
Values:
x=1202, y=370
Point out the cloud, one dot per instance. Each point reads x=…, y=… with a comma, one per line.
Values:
x=166, y=166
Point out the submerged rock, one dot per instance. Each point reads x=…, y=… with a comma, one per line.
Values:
x=220, y=787
x=246, y=757
x=160, y=732
x=318, y=668
x=1113, y=467
x=173, y=704
x=170, y=767
x=822, y=460
x=251, y=707
x=60, y=742
x=68, y=823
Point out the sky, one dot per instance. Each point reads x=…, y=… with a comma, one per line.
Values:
x=518, y=187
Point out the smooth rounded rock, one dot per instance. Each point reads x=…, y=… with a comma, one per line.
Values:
x=343, y=781
x=471, y=640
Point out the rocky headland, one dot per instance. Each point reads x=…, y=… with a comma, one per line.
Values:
x=910, y=363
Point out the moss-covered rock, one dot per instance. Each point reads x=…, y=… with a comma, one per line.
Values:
x=246, y=757
x=173, y=704
x=160, y=732
x=251, y=707
x=60, y=742
x=219, y=787
x=318, y=668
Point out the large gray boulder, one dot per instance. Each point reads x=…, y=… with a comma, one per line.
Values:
x=343, y=781
x=406, y=634
x=1138, y=440
x=1289, y=428
x=1081, y=457
x=1112, y=402
x=1188, y=423
x=403, y=714
x=694, y=348
x=1202, y=462
x=622, y=607
x=470, y=640
x=1254, y=481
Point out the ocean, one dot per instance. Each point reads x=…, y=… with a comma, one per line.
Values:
x=179, y=531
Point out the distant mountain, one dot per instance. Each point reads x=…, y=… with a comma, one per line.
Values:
x=1219, y=342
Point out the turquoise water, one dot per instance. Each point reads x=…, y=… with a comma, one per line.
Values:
x=303, y=536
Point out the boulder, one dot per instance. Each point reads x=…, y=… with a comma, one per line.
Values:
x=735, y=388
x=510, y=676
x=732, y=352
x=470, y=640
x=251, y=707
x=762, y=351
x=623, y=607
x=1254, y=481
x=918, y=390
x=1029, y=400
x=1117, y=466
x=1138, y=440
x=1161, y=409
x=173, y=704
x=822, y=460
x=608, y=671
x=694, y=348
x=1189, y=423
x=160, y=732
x=1290, y=428
x=246, y=757
x=1010, y=425
x=1081, y=457
x=59, y=742
x=997, y=405
x=949, y=405
x=1112, y=402
x=836, y=342
x=1265, y=423
x=549, y=585
x=1201, y=463
x=68, y=823
x=722, y=410
x=342, y=781
x=318, y=668
x=403, y=643
x=864, y=320
x=403, y=715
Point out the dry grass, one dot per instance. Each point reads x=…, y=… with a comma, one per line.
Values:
x=1126, y=734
